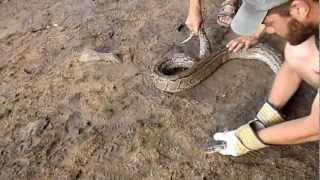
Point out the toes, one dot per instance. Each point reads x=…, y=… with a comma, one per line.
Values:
x=225, y=20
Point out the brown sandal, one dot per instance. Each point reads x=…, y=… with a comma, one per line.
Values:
x=224, y=12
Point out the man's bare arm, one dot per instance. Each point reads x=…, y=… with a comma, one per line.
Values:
x=194, y=19
x=295, y=131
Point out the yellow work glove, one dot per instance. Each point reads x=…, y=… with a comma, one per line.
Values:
x=239, y=141
x=267, y=116
x=245, y=139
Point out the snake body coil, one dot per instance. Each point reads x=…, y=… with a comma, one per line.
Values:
x=183, y=72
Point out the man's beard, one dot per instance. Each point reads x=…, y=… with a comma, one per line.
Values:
x=299, y=32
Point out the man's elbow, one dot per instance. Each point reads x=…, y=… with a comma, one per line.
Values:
x=313, y=118
x=312, y=123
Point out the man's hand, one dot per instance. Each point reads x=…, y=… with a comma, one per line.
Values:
x=240, y=141
x=242, y=42
x=231, y=141
x=194, y=20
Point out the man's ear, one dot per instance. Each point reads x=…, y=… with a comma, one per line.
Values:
x=299, y=10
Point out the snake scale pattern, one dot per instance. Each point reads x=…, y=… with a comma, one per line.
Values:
x=183, y=72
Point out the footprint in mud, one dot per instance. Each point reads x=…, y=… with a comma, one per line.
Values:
x=73, y=124
x=4, y=118
x=29, y=136
x=108, y=151
x=33, y=128
x=65, y=173
x=116, y=170
x=117, y=126
x=86, y=150
x=54, y=152
x=19, y=168
x=74, y=102
x=109, y=176
x=106, y=174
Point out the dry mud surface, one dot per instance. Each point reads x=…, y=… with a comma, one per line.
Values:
x=61, y=119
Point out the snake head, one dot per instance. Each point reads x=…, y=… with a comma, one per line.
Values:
x=205, y=46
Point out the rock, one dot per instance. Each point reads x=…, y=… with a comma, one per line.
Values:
x=89, y=55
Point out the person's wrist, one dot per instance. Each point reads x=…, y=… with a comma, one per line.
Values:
x=268, y=115
x=260, y=32
x=256, y=37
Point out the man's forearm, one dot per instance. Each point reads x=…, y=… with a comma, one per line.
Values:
x=284, y=86
x=296, y=131
x=290, y=132
x=307, y=139
x=195, y=6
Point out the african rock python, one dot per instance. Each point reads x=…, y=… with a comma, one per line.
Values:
x=183, y=72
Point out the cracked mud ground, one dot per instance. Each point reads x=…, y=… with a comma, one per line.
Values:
x=61, y=119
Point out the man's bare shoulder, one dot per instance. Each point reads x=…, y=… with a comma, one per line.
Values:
x=303, y=50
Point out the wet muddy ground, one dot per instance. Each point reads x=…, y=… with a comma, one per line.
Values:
x=62, y=119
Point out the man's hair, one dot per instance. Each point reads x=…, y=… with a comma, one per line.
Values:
x=282, y=10
x=298, y=32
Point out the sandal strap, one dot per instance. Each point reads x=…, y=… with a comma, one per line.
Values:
x=231, y=7
x=225, y=13
x=228, y=2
